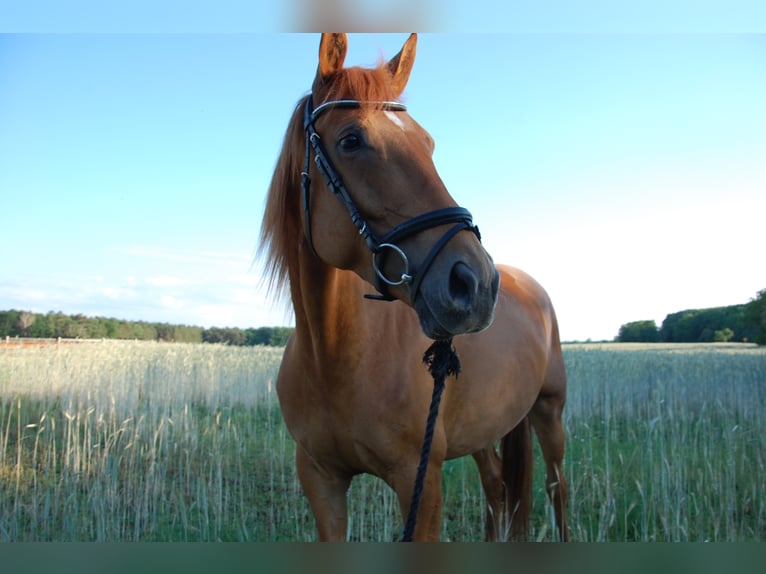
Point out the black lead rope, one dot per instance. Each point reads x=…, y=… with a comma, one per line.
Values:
x=442, y=361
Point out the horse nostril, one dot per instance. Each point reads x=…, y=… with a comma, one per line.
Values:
x=463, y=284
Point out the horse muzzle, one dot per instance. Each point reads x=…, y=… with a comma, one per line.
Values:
x=459, y=300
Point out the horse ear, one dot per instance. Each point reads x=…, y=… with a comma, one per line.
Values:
x=332, y=53
x=400, y=65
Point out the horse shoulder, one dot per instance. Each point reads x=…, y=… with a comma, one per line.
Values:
x=295, y=389
x=526, y=295
x=531, y=301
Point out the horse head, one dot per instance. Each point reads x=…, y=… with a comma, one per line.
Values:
x=374, y=203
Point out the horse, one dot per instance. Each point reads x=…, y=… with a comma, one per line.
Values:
x=357, y=211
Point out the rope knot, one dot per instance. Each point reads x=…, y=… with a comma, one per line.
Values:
x=441, y=359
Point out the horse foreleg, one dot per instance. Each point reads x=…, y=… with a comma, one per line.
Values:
x=428, y=525
x=491, y=474
x=546, y=420
x=325, y=490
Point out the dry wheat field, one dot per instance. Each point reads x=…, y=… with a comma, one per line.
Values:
x=142, y=441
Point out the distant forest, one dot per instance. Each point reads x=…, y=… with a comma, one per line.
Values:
x=739, y=323
x=56, y=324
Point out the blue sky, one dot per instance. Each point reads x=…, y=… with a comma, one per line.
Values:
x=625, y=171
x=510, y=16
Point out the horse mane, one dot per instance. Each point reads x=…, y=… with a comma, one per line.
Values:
x=282, y=227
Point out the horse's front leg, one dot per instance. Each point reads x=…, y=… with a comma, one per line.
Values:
x=428, y=525
x=325, y=488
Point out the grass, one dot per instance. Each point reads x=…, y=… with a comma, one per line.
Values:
x=140, y=441
x=667, y=443
x=156, y=442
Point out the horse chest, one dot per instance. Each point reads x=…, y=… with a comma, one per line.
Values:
x=357, y=420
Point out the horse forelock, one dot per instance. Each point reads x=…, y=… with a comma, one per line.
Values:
x=363, y=84
x=281, y=229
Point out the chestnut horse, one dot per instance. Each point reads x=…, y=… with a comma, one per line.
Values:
x=355, y=203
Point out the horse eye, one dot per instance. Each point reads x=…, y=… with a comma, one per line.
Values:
x=351, y=142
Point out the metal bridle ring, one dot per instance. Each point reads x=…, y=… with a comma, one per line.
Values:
x=406, y=277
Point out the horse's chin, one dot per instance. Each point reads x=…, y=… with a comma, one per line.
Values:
x=444, y=326
x=432, y=329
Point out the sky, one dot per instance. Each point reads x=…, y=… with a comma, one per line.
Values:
x=624, y=170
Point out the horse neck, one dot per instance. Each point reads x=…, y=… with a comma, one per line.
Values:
x=327, y=303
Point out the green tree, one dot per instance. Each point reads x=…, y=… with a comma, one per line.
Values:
x=39, y=328
x=639, y=332
x=755, y=312
x=110, y=326
x=226, y=335
x=58, y=324
x=280, y=335
x=259, y=336
x=9, y=324
x=185, y=334
x=701, y=325
x=165, y=332
x=723, y=335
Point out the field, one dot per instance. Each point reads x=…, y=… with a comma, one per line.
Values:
x=131, y=441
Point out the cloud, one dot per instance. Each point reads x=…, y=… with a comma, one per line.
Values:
x=233, y=259
x=157, y=284
x=166, y=281
x=171, y=302
x=118, y=293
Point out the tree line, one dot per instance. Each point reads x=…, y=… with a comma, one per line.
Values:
x=739, y=323
x=53, y=325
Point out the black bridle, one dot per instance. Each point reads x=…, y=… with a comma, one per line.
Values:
x=460, y=216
